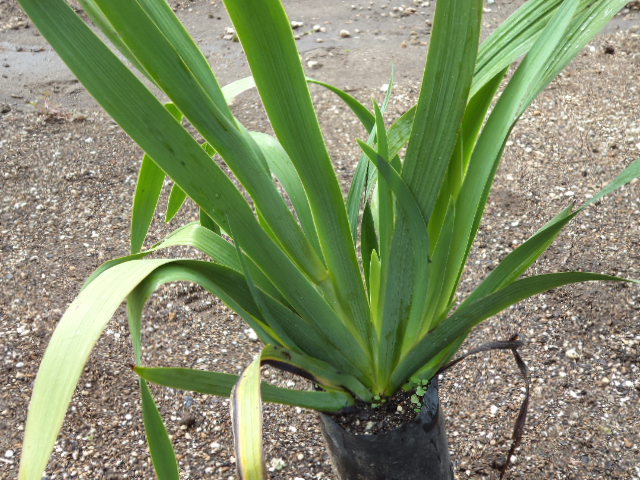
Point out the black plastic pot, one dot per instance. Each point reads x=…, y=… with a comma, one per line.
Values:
x=417, y=450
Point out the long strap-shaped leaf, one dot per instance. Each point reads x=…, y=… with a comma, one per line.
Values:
x=472, y=314
x=443, y=98
x=281, y=166
x=518, y=261
x=66, y=355
x=588, y=22
x=318, y=371
x=564, y=36
x=217, y=383
x=145, y=204
x=148, y=189
x=246, y=418
x=404, y=274
x=165, y=63
x=265, y=33
x=178, y=154
x=163, y=16
x=164, y=458
x=487, y=154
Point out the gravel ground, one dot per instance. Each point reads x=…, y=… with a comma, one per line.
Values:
x=68, y=176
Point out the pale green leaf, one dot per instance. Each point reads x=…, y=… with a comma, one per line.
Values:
x=216, y=383
x=246, y=418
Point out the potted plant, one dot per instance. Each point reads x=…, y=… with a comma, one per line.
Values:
x=357, y=294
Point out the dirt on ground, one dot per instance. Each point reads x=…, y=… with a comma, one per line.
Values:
x=67, y=180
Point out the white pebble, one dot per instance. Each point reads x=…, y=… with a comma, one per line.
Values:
x=8, y=454
x=572, y=353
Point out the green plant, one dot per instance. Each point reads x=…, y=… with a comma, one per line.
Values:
x=358, y=294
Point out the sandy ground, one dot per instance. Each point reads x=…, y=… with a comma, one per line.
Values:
x=68, y=175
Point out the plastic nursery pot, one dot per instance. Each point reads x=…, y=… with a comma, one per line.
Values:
x=417, y=450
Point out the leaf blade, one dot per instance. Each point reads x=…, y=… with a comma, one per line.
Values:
x=246, y=419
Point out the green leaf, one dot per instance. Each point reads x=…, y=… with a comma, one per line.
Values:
x=590, y=19
x=473, y=313
x=404, y=275
x=148, y=188
x=280, y=165
x=488, y=151
x=177, y=198
x=443, y=98
x=368, y=243
x=512, y=39
x=160, y=448
x=161, y=14
x=215, y=383
x=66, y=355
x=318, y=371
x=246, y=418
x=520, y=259
x=386, y=220
x=265, y=33
x=233, y=89
x=207, y=222
x=362, y=183
x=631, y=172
x=145, y=39
x=363, y=114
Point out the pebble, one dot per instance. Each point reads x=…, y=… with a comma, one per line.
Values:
x=295, y=24
x=230, y=34
x=572, y=354
x=314, y=64
x=345, y=34
x=8, y=454
x=277, y=464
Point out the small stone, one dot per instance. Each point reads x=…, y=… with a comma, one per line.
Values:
x=314, y=64
x=604, y=381
x=296, y=24
x=572, y=354
x=317, y=28
x=494, y=410
x=230, y=34
x=9, y=454
x=345, y=34
x=277, y=464
x=187, y=419
x=253, y=336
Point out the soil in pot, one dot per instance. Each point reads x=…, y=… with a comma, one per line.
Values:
x=390, y=443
